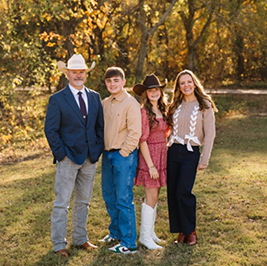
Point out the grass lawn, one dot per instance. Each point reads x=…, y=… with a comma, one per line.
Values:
x=231, y=202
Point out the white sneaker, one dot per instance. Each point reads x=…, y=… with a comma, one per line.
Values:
x=119, y=249
x=107, y=239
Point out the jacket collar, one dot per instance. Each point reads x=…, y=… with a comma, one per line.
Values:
x=72, y=102
x=119, y=97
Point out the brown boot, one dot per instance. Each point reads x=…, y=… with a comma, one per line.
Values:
x=181, y=239
x=62, y=253
x=87, y=245
x=192, y=238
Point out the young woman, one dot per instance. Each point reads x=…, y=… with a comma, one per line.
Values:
x=151, y=171
x=191, y=115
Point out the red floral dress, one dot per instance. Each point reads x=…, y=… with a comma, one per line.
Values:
x=158, y=151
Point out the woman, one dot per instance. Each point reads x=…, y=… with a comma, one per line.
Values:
x=191, y=115
x=151, y=171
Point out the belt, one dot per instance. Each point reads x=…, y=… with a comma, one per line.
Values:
x=112, y=150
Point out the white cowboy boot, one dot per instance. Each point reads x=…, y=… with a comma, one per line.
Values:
x=146, y=226
x=153, y=234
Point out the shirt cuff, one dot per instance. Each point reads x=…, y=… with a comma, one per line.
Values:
x=124, y=153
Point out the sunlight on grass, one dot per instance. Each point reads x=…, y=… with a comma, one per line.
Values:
x=231, y=207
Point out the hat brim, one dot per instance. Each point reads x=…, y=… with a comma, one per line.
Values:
x=63, y=68
x=140, y=88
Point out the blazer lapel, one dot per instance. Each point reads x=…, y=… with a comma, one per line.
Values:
x=90, y=104
x=72, y=102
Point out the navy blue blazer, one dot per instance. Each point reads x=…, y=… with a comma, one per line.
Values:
x=66, y=131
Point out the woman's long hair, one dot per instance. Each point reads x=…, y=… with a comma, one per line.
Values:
x=178, y=96
x=162, y=105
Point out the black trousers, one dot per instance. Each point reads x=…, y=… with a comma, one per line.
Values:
x=181, y=173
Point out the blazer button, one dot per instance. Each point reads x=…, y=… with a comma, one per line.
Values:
x=86, y=141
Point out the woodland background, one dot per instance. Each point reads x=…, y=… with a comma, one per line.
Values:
x=223, y=41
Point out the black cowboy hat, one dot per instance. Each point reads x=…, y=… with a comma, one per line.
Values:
x=150, y=82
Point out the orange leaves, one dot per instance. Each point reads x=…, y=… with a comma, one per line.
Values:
x=50, y=44
x=6, y=139
x=50, y=36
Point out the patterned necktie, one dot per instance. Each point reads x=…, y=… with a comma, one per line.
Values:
x=82, y=106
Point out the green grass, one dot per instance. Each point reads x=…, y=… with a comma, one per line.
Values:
x=231, y=202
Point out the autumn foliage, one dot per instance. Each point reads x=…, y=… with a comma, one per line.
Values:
x=223, y=41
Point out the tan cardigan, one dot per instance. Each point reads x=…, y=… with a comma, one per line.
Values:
x=122, y=127
x=194, y=128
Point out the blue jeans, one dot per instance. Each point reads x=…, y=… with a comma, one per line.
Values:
x=118, y=174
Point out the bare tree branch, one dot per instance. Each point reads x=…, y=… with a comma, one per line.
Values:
x=162, y=18
x=204, y=28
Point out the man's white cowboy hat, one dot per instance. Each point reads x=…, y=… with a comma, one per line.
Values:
x=75, y=62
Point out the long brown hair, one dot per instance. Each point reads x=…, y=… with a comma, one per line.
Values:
x=199, y=92
x=162, y=105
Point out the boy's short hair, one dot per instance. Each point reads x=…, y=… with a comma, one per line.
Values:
x=114, y=72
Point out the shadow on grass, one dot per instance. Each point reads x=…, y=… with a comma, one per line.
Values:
x=177, y=255
x=52, y=259
x=231, y=217
x=31, y=197
x=76, y=254
x=169, y=255
x=25, y=224
x=14, y=159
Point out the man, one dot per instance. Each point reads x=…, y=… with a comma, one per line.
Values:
x=122, y=118
x=74, y=130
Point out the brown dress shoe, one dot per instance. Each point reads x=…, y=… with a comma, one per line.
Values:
x=181, y=239
x=88, y=245
x=192, y=238
x=62, y=253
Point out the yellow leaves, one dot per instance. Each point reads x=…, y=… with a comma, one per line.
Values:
x=49, y=37
x=12, y=120
x=61, y=53
x=6, y=139
x=50, y=44
x=47, y=17
x=88, y=13
x=64, y=16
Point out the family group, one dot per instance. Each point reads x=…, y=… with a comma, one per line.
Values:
x=152, y=145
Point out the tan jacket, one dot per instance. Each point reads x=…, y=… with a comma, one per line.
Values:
x=122, y=117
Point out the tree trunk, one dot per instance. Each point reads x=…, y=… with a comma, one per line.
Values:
x=144, y=39
x=239, y=49
x=191, y=59
x=192, y=42
x=146, y=33
x=190, y=46
x=141, y=61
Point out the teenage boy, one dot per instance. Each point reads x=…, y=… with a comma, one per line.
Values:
x=122, y=130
